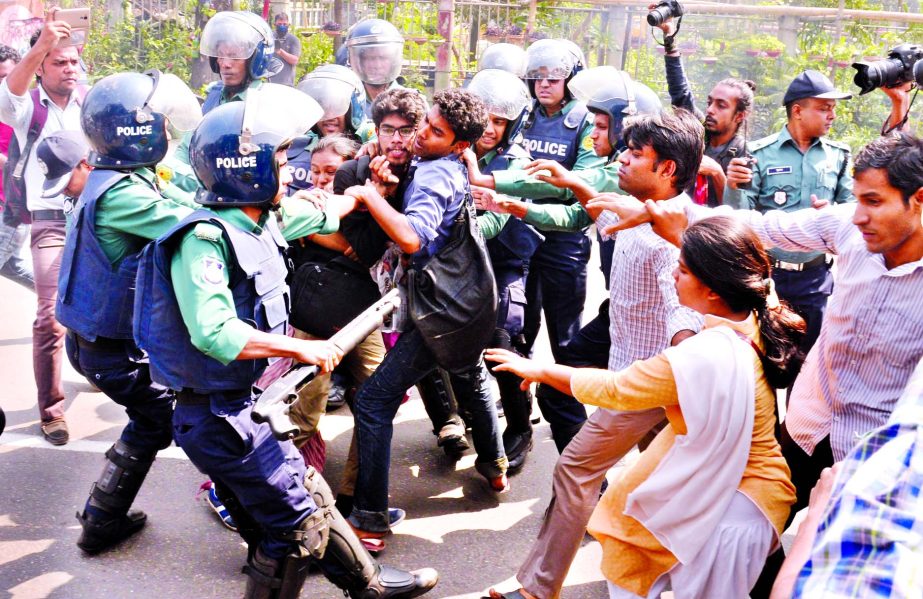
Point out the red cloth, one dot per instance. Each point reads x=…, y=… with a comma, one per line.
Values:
x=6, y=134
x=314, y=452
x=700, y=196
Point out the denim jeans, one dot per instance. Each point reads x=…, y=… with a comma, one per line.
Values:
x=12, y=265
x=375, y=409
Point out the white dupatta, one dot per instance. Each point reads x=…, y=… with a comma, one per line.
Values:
x=685, y=497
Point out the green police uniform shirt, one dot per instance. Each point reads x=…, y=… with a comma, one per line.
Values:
x=784, y=178
x=199, y=269
x=133, y=212
x=492, y=223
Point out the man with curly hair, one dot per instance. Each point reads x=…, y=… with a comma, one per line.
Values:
x=430, y=205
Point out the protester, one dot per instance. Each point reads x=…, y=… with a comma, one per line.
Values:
x=431, y=202
x=288, y=49
x=698, y=512
x=12, y=236
x=56, y=101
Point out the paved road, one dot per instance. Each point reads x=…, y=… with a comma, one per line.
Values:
x=475, y=538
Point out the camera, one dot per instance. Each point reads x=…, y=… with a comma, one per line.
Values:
x=918, y=73
x=897, y=68
x=666, y=9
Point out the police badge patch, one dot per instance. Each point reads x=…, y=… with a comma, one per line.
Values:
x=212, y=271
x=780, y=197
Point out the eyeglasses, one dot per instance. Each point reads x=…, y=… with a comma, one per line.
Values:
x=389, y=131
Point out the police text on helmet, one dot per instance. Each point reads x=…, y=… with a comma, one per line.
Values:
x=236, y=162
x=139, y=130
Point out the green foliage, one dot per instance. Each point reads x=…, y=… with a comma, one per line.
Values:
x=316, y=50
x=165, y=41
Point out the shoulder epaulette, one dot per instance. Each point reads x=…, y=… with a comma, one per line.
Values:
x=837, y=144
x=207, y=232
x=759, y=144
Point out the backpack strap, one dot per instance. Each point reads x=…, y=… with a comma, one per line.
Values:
x=39, y=118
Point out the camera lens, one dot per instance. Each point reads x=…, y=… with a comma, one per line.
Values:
x=918, y=73
x=878, y=73
x=657, y=16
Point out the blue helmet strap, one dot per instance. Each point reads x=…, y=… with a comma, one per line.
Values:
x=143, y=114
x=246, y=129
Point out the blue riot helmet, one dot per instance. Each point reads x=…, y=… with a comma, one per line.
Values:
x=549, y=59
x=241, y=35
x=339, y=92
x=233, y=150
x=504, y=95
x=505, y=57
x=126, y=118
x=376, y=51
x=609, y=91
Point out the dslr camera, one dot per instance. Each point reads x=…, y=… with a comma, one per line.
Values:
x=897, y=68
x=666, y=9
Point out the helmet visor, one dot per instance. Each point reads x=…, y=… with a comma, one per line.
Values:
x=333, y=96
x=264, y=105
x=549, y=61
x=503, y=93
x=175, y=100
x=601, y=85
x=377, y=64
x=229, y=35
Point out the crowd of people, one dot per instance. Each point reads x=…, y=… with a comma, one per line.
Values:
x=181, y=283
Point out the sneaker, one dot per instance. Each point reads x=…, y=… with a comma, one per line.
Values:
x=55, y=431
x=452, y=439
x=395, y=516
x=212, y=501
x=336, y=397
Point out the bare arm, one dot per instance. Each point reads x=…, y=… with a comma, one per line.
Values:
x=550, y=374
x=324, y=354
x=394, y=224
x=21, y=76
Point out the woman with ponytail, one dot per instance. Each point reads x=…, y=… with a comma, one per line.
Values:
x=706, y=503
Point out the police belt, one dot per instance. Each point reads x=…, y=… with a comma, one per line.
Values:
x=52, y=215
x=100, y=344
x=800, y=266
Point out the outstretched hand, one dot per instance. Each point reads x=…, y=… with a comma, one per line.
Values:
x=508, y=361
x=630, y=211
x=550, y=171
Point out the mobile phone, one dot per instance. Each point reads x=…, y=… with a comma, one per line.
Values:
x=79, y=21
x=77, y=18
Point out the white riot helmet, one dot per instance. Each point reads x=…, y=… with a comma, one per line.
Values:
x=506, y=57
x=240, y=35
x=504, y=95
x=339, y=92
x=376, y=51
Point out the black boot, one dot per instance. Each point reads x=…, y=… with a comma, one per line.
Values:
x=347, y=564
x=274, y=579
x=440, y=405
x=106, y=519
x=517, y=438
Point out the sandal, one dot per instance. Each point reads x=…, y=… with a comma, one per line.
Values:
x=493, y=594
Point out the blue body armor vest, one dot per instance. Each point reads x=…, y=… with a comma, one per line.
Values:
x=299, y=163
x=555, y=138
x=213, y=98
x=95, y=299
x=261, y=298
x=517, y=241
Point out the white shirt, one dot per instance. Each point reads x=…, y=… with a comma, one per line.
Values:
x=16, y=111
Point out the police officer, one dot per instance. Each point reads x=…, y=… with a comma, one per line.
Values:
x=125, y=119
x=212, y=310
x=339, y=92
x=240, y=50
x=794, y=169
x=610, y=96
x=376, y=51
x=510, y=244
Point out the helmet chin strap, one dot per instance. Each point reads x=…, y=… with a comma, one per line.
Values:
x=246, y=146
x=143, y=114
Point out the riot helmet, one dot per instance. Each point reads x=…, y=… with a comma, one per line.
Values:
x=233, y=150
x=504, y=95
x=609, y=91
x=241, y=35
x=376, y=51
x=339, y=92
x=549, y=59
x=506, y=57
x=579, y=57
x=126, y=116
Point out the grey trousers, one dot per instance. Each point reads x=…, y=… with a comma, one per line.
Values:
x=604, y=439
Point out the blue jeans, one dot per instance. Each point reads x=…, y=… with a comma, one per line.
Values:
x=12, y=265
x=376, y=405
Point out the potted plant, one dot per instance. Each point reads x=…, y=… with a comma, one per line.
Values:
x=332, y=28
x=514, y=32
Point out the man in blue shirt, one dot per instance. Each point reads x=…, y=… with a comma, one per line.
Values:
x=431, y=203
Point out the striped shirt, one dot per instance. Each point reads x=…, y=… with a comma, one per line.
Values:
x=871, y=338
x=644, y=310
x=870, y=542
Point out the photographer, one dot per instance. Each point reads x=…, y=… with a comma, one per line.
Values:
x=728, y=106
x=894, y=75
